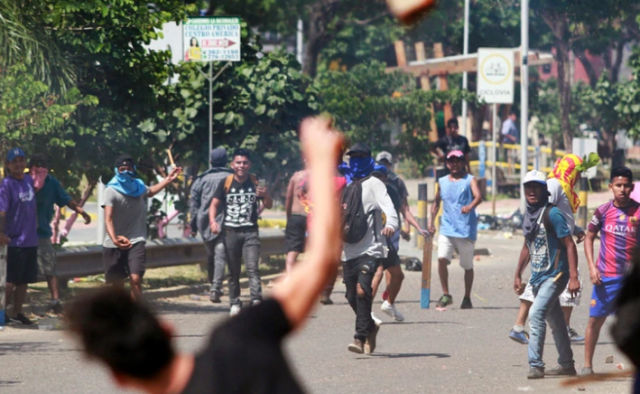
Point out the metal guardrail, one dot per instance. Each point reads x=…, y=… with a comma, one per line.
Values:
x=81, y=261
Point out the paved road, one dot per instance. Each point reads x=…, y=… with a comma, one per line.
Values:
x=432, y=352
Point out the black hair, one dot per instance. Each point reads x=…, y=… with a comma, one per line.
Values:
x=39, y=160
x=121, y=332
x=197, y=43
x=242, y=152
x=624, y=172
x=452, y=121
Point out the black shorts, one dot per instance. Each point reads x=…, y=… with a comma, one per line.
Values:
x=22, y=265
x=119, y=264
x=392, y=258
x=296, y=233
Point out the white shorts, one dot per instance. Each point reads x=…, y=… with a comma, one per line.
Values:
x=464, y=246
x=565, y=298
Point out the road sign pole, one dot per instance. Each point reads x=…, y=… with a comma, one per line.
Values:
x=524, y=97
x=465, y=76
x=494, y=181
x=210, y=111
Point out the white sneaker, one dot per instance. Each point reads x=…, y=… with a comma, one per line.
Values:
x=391, y=310
x=375, y=319
x=235, y=309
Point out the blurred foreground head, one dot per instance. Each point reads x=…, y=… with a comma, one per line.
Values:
x=121, y=333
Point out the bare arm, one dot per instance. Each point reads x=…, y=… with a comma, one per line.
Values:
x=4, y=240
x=267, y=201
x=408, y=216
x=588, y=251
x=572, y=256
x=522, y=263
x=155, y=189
x=75, y=207
x=213, y=212
x=477, y=197
x=289, y=200
x=434, y=212
x=299, y=294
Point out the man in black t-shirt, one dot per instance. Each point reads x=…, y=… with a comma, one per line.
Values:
x=450, y=142
x=244, y=355
x=238, y=195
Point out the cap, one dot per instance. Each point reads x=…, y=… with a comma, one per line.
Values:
x=455, y=153
x=384, y=156
x=218, y=157
x=359, y=147
x=535, y=176
x=15, y=152
x=124, y=160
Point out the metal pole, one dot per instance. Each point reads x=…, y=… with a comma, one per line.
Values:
x=300, y=41
x=494, y=181
x=210, y=110
x=465, y=75
x=100, y=232
x=524, y=97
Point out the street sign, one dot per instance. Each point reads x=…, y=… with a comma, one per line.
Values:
x=582, y=147
x=495, y=75
x=209, y=39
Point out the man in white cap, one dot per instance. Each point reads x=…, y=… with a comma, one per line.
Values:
x=553, y=255
x=460, y=196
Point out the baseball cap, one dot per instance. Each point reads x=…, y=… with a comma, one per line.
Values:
x=124, y=160
x=359, y=148
x=15, y=152
x=455, y=153
x=384, y=156
x=535, y=176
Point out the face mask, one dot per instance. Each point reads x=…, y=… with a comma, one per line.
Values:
x=361, y=166
x=39, y=175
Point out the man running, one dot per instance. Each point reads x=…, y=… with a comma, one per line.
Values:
x=296, y=231
x=244, y=354
x=49, y=192
x=239, y=195
x=552, y=253
x=201, y=196
x=363, y=202
x=124, y=251
x=450, y=142
x=460, y=196
x=617, y=222
x=18, y=230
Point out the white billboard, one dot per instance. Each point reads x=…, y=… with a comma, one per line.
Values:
x=211, y=39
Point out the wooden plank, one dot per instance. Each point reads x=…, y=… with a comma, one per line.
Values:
x=444, y=83
x=425, y=290
x=401, y=56
x=421, y=54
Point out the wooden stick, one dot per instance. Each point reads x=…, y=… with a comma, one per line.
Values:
x=421, y=54
x=173, y=164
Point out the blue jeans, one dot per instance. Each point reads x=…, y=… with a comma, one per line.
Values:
x=546, y=307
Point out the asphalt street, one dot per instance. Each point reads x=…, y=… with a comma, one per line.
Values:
x=455, y=351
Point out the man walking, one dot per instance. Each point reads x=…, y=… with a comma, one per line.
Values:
x=18, y=230
x=125, y=216
x=550, y=249
x=363, y=202
x=450, y=142
x=617, y=222
x=202, y=192
x=460, y=196
x=238, y=195
x=49, y=192
x=295, y=233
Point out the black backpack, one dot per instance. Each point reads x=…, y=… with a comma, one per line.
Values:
x=354, y=219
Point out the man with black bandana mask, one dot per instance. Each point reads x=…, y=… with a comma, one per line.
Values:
x=125, y=217
x=552, y=253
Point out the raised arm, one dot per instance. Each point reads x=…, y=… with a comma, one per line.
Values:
x=299, y=293
x=157, y=188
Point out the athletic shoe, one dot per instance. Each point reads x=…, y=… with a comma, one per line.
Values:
x=385, y=295
x=214, y=297
x=535, y=373
x=356, y=347
x=56, y=306
x=325, y=300
x=586, y=371
x=520, y=337
x=235, y=309
x=375, y=319
x=255, y=302
x=466, y=303
x=21, y=319
x=445, y=300
x=392, y=311
x=370, y=344
x=561, y=371
x=573, y=335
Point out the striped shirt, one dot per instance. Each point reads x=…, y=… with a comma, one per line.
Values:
x=617, y=228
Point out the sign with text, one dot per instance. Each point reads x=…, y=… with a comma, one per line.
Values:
x=495, y=75
x=212, y=39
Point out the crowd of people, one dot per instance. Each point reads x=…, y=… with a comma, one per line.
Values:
x=351, y=212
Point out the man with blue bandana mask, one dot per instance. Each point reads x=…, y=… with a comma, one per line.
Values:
x=125, y=216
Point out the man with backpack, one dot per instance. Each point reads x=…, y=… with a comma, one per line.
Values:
x=550, y=249
x=363, y=202
x=201, y=196
x=239, y=195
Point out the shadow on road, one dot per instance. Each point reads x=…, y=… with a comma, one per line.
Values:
x=31, y=347
x=166, y=308
x=7, y=383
